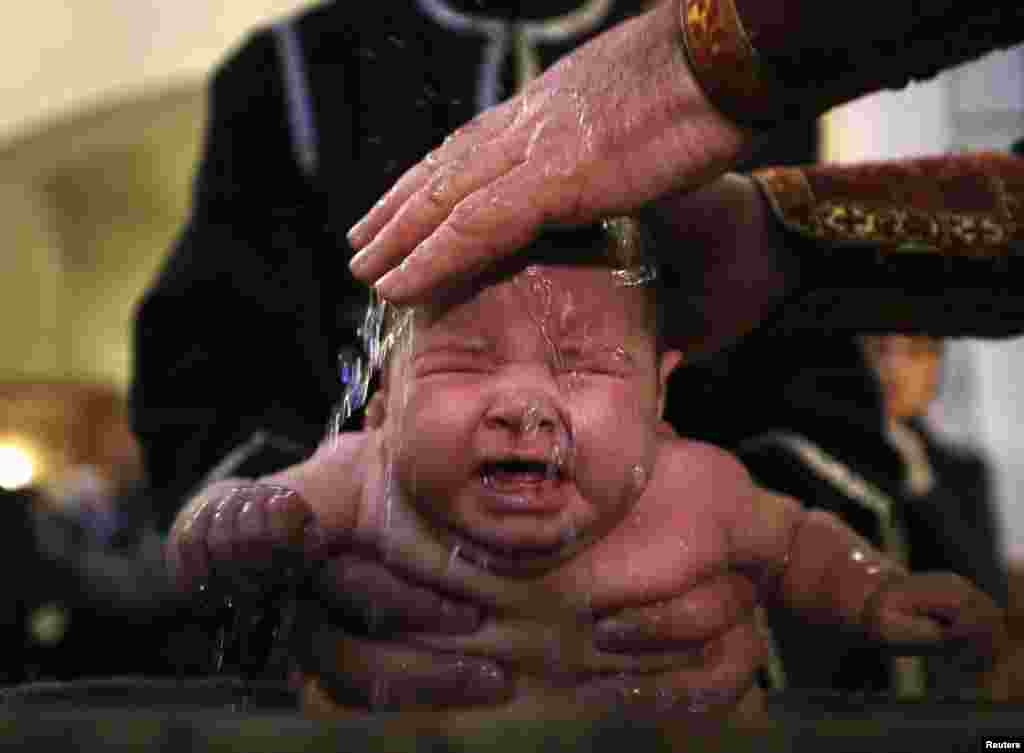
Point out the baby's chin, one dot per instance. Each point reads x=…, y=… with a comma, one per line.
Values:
x=520, y=530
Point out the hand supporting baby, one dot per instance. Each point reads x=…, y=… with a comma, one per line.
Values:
x=239, y=530
x=924, y=612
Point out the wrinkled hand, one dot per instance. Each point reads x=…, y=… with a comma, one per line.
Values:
x=611, y=126
x=937, y=611
x=713, y=622
x=707, y=638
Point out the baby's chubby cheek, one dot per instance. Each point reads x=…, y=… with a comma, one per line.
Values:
x=614, y=454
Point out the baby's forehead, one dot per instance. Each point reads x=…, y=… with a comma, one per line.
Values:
x=565, y=300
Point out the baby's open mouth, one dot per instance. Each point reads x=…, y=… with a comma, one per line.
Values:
x=519, y=472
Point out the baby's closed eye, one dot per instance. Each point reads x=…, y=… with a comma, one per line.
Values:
x=600, y=361
x=452, y=362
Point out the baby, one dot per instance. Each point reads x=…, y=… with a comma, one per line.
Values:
x=518, y=422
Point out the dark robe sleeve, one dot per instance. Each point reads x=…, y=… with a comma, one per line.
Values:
x=228, y=339
x=930, y=245
x=772, y=62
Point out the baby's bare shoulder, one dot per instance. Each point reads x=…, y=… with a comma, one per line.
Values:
x=682, y=460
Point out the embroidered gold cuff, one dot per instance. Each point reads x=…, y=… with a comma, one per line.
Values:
x=957, y=207
x=725, y=63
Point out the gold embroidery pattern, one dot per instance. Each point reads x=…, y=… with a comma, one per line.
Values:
x=976, y=235
x=896, y=228
x=722, y=59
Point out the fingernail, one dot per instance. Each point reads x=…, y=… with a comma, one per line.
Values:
x=389, y=287
x=356, y=235
x=358, y=262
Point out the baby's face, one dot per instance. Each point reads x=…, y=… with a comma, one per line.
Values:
x=522, y=421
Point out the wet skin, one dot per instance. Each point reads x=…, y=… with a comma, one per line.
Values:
x=557, y=357
x=515, y=373
x=524, y=422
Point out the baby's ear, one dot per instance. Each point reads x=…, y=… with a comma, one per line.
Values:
x=376, y=410
x=669, y=362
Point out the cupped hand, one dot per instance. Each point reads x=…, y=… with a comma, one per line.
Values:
x=611, y=126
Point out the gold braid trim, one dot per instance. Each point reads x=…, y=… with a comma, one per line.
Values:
x=966, y=206
x=725, y=63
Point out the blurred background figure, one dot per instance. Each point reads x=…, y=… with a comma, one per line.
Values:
x=845, y=432
x=948, y=515
x=948, y=485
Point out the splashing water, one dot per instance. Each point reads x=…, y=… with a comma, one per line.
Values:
x=356, y=370
x=643, y=274
x=453, y=556
x=532, y=418
x=561, y=457
x=538, y=289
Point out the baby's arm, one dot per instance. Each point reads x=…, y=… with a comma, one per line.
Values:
x=241, y=527
x=810, y=562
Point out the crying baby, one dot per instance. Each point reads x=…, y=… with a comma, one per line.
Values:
x=518, y=421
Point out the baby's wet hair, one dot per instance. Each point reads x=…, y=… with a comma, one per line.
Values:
x=623, y=244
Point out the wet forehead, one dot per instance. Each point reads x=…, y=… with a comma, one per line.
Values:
x=563, y=303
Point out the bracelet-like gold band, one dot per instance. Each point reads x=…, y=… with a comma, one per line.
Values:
x=725, y=63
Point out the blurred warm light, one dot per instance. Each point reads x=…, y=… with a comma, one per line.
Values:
x=17, y=467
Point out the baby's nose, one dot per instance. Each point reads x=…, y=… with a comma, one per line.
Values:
x=525, y=414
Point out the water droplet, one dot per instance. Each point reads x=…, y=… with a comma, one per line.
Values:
x=560, y=459
x=639, y=478
x=531, y=419
x=633, y=277
x=453, y=556
x=574, y=381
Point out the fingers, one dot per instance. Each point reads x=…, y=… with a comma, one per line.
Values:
x=711, y=687
x=705, y=612
x=239, y=529
x=386, y=603
x=434, y=199
x=485, y=227
x=389, y=675
x=940, y=609
x=478, y=132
